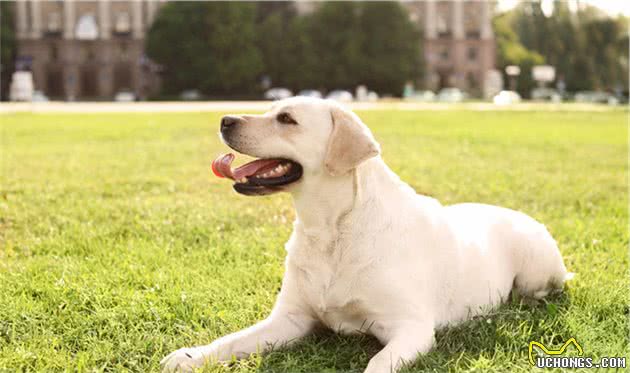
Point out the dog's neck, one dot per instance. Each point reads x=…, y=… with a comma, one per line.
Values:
x=323, y=202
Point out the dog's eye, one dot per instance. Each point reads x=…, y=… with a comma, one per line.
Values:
x=285, y=118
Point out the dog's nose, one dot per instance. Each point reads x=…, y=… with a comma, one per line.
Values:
x=228, y=121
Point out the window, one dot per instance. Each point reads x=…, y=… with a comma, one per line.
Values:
x=444, y=54
x=472, y=54
x=89, y=55
x=123, y=52
x=53, y=23
x=472, y=19
x=472, y=81
x=86, y=28
x=54, y=53
x=122, y=24
x=442, y=24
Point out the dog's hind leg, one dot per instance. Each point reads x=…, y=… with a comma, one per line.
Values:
x=542, y=269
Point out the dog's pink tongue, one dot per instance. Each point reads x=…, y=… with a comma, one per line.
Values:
x=222, y=166
x=254, y=167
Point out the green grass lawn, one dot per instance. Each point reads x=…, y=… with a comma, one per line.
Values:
x=117, y=245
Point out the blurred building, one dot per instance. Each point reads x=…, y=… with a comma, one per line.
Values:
x=95, y=49
x=86, y=49
x=459, y=45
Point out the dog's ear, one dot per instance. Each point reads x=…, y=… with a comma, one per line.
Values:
x=350, y=143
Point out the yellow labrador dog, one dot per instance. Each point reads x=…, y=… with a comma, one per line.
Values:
x=367, y=253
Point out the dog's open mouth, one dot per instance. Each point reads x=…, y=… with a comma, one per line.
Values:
x=262, y=176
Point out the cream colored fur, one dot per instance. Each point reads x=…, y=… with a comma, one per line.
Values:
x=369, y=255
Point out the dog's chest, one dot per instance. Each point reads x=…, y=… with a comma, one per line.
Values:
x=334, y=285
x=335, y=297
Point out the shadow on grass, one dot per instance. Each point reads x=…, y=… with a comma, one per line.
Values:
x=502, y=334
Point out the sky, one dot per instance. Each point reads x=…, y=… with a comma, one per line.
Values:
x=612, y=7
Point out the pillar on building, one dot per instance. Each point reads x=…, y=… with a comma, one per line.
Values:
x=104, y=18
x=136, y=19
x=105, y=78
x=22, y=18
x=486, y=20
x=38, y=69
x=487, y=51
x=457, y=78
x=106, y=81
x=458, y=19
x=71, y=82
x=151, y=10
x=430, y=16
x=68, y=19
x=36, y=20
x=135, y=54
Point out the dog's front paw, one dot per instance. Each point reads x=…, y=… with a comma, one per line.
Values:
x=183, y=360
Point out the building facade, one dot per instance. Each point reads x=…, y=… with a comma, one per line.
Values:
x=88, y=50
x=459, y=45
x=91, y=50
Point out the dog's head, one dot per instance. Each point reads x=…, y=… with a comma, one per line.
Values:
x=297, y=139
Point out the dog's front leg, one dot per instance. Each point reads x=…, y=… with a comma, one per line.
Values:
x=280, y=328
x=402, y=345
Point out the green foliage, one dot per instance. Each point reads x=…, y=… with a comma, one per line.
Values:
x=344, y=44
x=285, y=50
x=391, y=47
x=340, y=45
x=510, y=51
x=586, y=47
x=608, y=68
x=333, y=30
x=210, y=46
x=117, y=245
x=7, y=47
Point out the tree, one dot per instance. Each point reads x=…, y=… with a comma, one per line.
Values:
x=585, y=46
x=284, y=9
x=391, y=51
x=210, y=46
x=605, y=33
x=372, y=43
x=282, y=47
x=623, y=44
x=7, y=43
x=510, y=51
x=333, y=35
x=223, y=48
